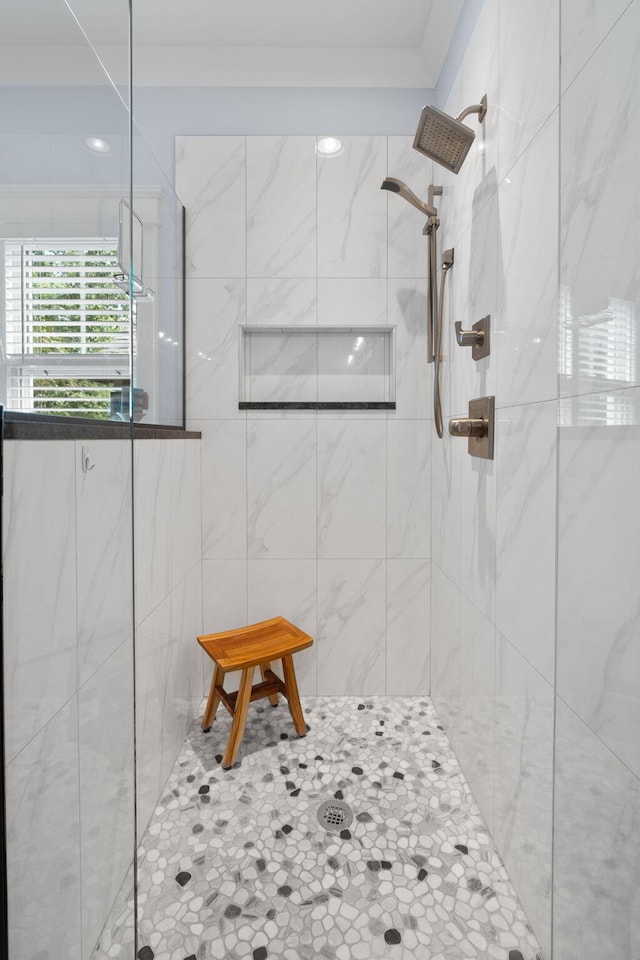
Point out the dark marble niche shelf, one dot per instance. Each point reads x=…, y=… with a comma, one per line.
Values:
x=317, y=405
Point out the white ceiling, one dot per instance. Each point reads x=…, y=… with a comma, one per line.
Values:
x=349, y=42
x=284, y=23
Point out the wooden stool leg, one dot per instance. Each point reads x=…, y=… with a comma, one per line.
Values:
x=292, y=695
x=274, y=700
x=213, y=701
x=239, y=717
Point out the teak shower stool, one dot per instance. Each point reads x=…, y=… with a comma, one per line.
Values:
x=245, y=649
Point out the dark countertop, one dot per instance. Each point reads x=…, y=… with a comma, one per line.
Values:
x=33, y=426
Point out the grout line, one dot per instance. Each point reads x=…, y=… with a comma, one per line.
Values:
x=77, y=451
x=317, y=656
x=607, y=747
x=557, y=509
x=246, y=418
x=613, y=26
x=386, y=453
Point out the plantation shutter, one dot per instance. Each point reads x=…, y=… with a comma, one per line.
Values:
x=67, y=326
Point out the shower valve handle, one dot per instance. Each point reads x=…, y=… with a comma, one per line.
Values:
x=478, y=427
x=468, y=427
x=477, y=338
x=468, y=338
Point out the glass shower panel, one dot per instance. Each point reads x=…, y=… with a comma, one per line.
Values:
x=67, y=507
x=64, y=167
x=158, y=292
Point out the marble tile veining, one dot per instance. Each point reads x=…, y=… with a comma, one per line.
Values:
x=210, y=177
x=352, y=210
x=281, y=206
x=236, y=865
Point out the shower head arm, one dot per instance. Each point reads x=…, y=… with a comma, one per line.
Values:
x=432, y=192
x=479, y=108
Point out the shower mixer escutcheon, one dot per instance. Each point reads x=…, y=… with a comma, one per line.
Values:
x=478, y=427
x=478, y=338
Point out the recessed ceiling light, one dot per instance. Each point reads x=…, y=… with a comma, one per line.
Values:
x=97, y=144
x=329, y=146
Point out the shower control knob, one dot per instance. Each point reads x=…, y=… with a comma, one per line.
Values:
x=466, y=427
x=478, y=427
x=477, y=338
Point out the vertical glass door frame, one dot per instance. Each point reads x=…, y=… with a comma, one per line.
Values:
x=132, y=384
x=4, y=919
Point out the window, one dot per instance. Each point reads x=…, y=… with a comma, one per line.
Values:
x=598, y=357
x=68, y=327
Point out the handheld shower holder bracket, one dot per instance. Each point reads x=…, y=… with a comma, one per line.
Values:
x=478, y=338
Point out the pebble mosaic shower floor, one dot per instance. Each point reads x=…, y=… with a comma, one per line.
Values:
x=235, y=864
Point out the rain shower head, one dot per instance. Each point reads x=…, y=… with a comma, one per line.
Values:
x=445, y=139
x=399, y=186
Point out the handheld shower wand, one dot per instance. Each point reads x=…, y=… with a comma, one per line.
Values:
x=399, y=186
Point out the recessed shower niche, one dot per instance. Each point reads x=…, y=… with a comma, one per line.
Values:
x=317, y=367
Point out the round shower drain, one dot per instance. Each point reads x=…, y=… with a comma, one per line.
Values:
x=335, y=815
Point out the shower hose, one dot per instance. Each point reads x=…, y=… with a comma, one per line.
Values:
x=437, y=313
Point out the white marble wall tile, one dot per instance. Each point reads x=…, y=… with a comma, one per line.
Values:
x=215, y=309
x=224, y=595
x=529, y=68
x=224, y=606
x=447, y=456
x=407, y=311
x=526, y=531
x=409, y=444
x=351, y=488
x=408, y=628
x=281, y=301
x=445, y=652
x=351, y=302
x=355, y=367
x=583, y=27
x=352, y=210
x=471, y=293
x=182, y=698
x=598, y=563
x=106, y=731
x=281, y=491
x=287, y=588
x=104, y=551
x=153, y=639
x=407, y=247
x=152, y=518
x=281, y=207
x=281, y=367
x=39, y=546
x=524, y=782
x=475, y=747
x=525, y=332
x=600, y=211
x=477, y=509
x=351, y=627
x=186, y=499
x=224, y=487
x=466, y=193
x=210, y=181
x=596, y=877
x=168, y=687
x=43, y=842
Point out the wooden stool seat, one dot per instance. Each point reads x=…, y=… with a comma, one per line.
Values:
x=245, y=649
